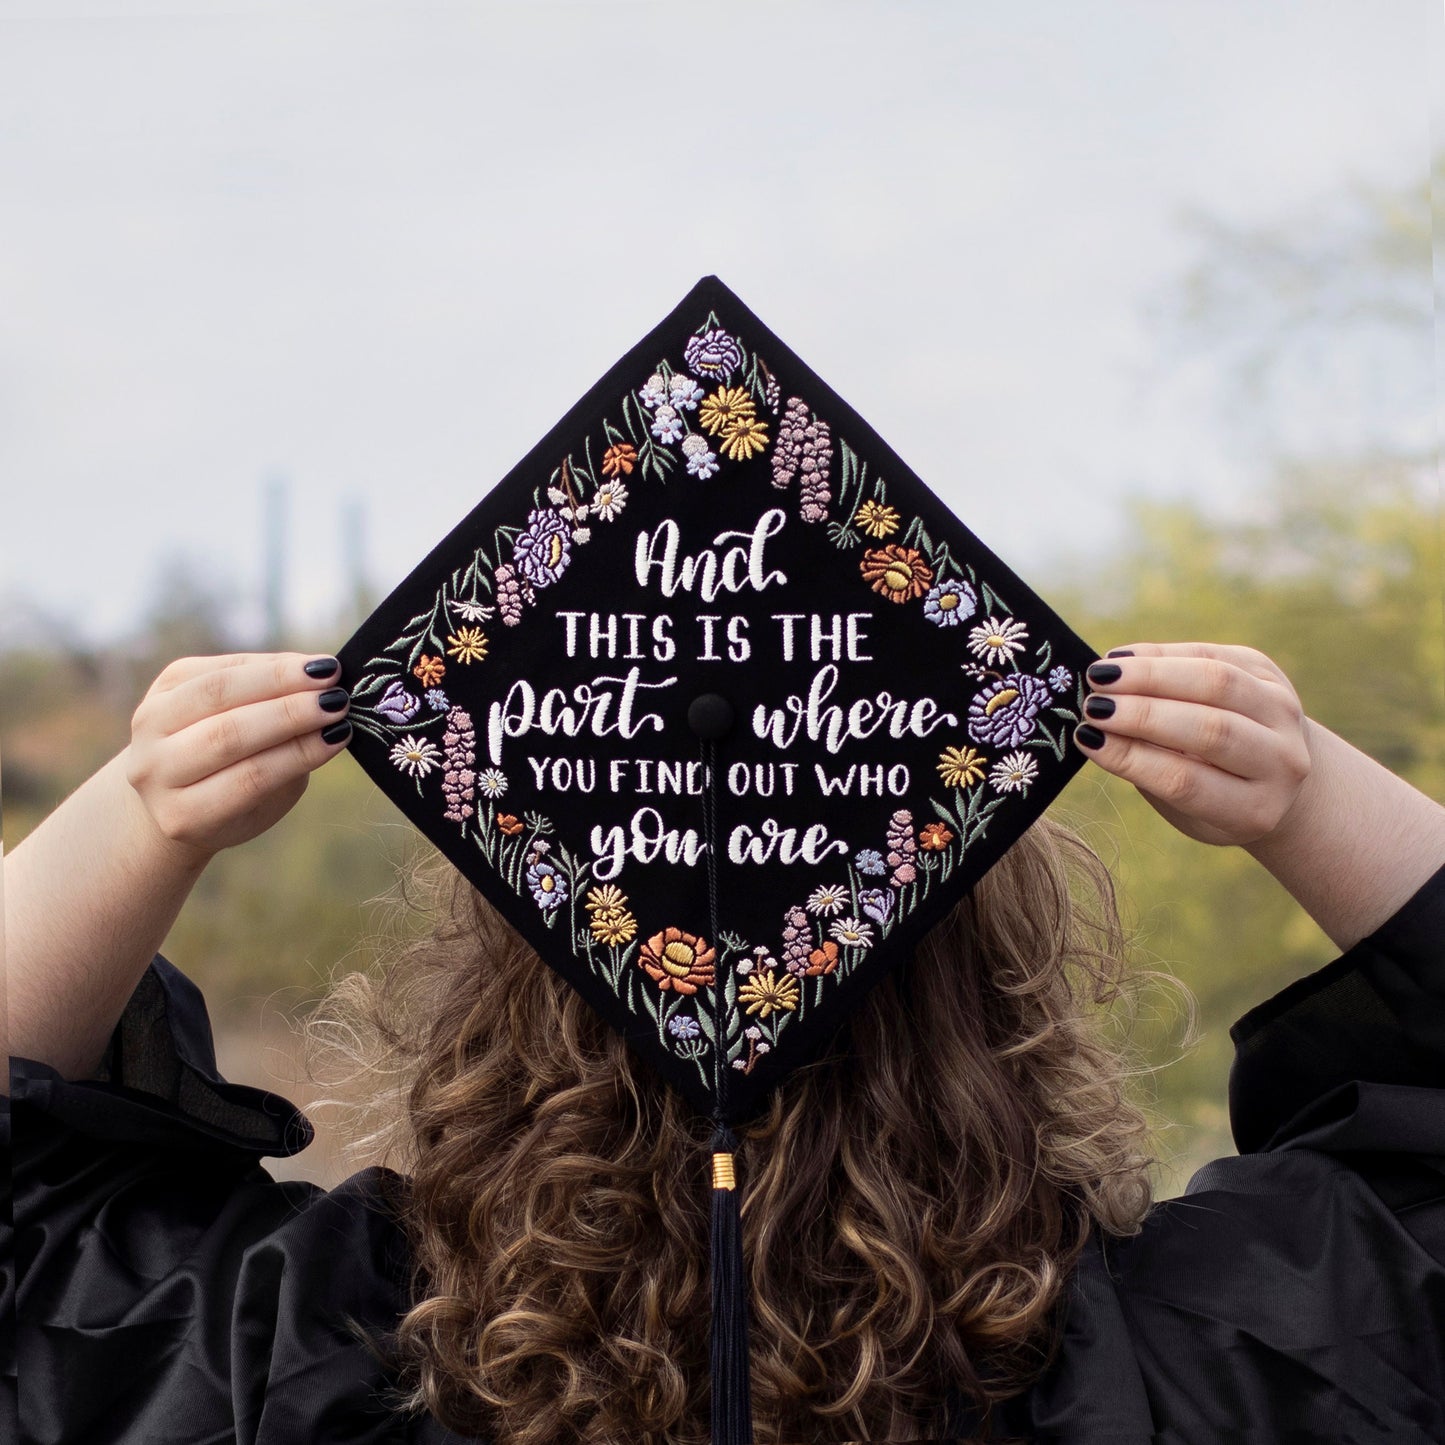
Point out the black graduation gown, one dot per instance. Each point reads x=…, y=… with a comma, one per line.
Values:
x=170, y=1290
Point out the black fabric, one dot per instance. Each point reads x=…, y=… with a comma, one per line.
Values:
x=713, y=521
x=170, y=1290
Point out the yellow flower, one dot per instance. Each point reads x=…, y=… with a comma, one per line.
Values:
x=613, y=926
x=725, y=408
x=961, y=767
x=767, y=991
x=876, y=519
x=743, y=439
x=468, y=645
x=607, y=899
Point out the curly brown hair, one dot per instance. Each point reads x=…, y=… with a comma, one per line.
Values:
x=912, y=1202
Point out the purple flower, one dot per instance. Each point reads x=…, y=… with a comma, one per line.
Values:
x=397, y=704
x=544, y=549
x=683, y=1026
x=877, y=903
x=1003, y=714
x=870, y=861
x=436, y=698
x=797, y=941
x=714, y=355
x=548, y=886
x=459, y=780
x=950, y=603
x=1061, y=679
x=901, y=848
x=509, y=594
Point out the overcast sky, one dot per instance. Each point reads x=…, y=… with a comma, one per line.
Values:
x=379, y=249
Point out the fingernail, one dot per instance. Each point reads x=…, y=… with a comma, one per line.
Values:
x=334, y=699
x=1105, y=672
x=1089, y=737
x=1099, y=707
x=338, y=732
x=1119, y=652
x=321, y=667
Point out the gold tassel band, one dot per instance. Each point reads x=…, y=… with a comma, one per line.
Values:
x=723, y=1176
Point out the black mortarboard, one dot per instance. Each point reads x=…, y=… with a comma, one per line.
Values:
x=722, y=708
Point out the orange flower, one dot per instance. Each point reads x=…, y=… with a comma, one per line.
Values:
x=430, y=670
x=898, y=572
x=822, y=960
x=617, y=460
x=509, y=825
x=934, y=837
x=678, y=960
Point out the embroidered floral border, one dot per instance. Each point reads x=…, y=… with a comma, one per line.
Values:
x=720, y=407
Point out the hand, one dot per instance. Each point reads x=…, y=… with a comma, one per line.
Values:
x=1213, y=736
x=223, y=747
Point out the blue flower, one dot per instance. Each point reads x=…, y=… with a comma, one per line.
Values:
x=1003, y=714
x=544, y=549
x=397, y=704
x=683, y=1026
x=436, y=698
x=870, y=861
x=1061, y=679
x=549, y=887
x=877, y=903
x=950, y=602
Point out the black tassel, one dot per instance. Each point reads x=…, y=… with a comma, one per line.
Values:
x=732, y=1410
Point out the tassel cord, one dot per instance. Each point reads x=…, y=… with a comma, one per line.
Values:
x=732, y=1418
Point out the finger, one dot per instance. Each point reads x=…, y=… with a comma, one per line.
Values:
x=235, y=790
x=249, y=678
x=1227, y=740
x=217, y=743
x=1182, y=782
x=1209, y=680
x=1249, y=658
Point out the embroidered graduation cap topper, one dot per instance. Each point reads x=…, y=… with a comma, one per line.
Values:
x=723, y=709
x=717, y=702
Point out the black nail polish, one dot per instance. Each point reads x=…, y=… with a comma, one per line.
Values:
x=321, y=667
x=1119, y=652
x=338, y=732
x=1105, y=672
x=1089, y=737
x=334, y=699
x=1099, y=707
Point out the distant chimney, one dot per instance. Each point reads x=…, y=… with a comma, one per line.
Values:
x=274, y=508
x=358, y=601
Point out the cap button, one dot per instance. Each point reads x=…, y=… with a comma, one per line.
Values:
x=710, y=716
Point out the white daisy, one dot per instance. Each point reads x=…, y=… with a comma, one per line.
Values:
x=852, y=932
x=1014, y=772
x=472, y=611
x=416, y=756
x=683, y=392
x=830, y=898
x=493, y=783
x=611, y=498
x=654, y=390
x=997, y=640
x=666, y=424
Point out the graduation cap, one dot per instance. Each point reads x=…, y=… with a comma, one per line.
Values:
x=723, y=709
